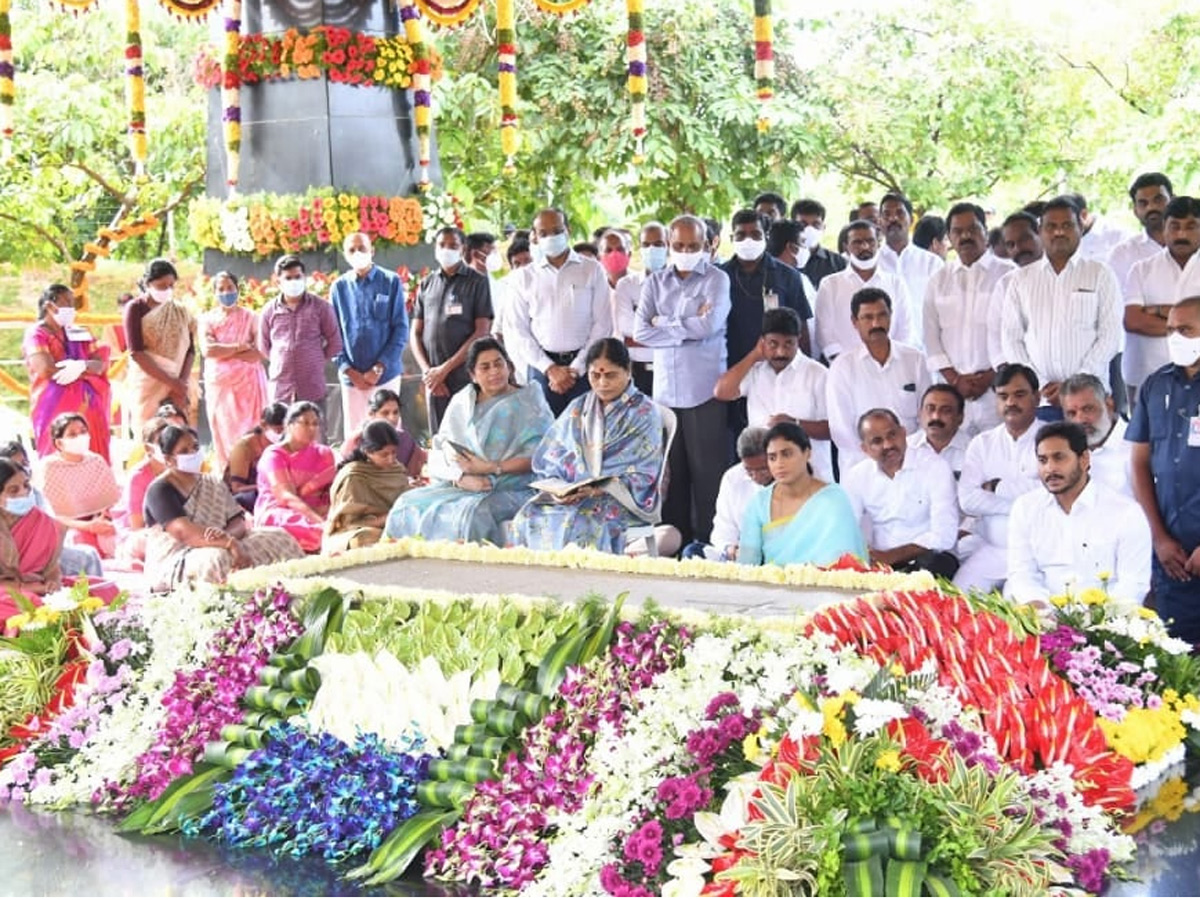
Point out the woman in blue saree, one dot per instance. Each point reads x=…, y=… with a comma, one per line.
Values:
x=598, y=467
x=480, y=462
x=797, y=519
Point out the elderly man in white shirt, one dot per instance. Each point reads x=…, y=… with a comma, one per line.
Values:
x=739, y=483
x=628, y=293
x=1062, y=315
x=1085, y=402
x=1077, y=534
x=878, y=373
x=941, y=430
x=1000, y=467
x=900, y=256
x=963, y=311
x=560, y=307
x=834, y=328
x=1153, y=288
x=781, y=384
x=905, y=499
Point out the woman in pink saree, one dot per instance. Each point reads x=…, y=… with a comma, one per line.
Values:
x=235, y=382
x=294, y=477
x=68, y=372
x=30, y=542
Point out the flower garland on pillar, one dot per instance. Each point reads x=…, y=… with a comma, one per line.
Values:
x=422, y=99
x=135, y=86
x=764, y=60
x=231, y=85
x=635, y=56
x=506, y=37
x=8, y=88
x=447, y=15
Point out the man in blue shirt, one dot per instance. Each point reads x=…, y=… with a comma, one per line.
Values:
x=682, y=316
x=1165, y=431
x=369, y=304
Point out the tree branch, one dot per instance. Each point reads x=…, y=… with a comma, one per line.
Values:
x=184, y=193
x=109, y=188
x=1119, y=91
x=56, y=242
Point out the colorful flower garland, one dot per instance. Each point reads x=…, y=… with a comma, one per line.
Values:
x=8, y=88
x=135, y=86
x=447, y=15
x=231, y=84
x=185, y=10
x=421, y=82
x=635, y=56
x=560, y=7
x=764, y=60
x=506, y=39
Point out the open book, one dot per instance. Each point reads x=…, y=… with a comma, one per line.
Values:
x=559, y=488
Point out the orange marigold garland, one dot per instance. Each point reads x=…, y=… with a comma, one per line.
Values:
x=560, y=7
x=506, y=37
x=635, y=57
x=8, y=87
x=447, y=15
x=135, y=86
x=190, y=9
x=764, y=60
x=422, y=98
x=231, y=84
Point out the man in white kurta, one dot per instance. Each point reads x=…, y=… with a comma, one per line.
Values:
x=1077, y=533
x=941, y=430
x=739, y=483
x=900, y=256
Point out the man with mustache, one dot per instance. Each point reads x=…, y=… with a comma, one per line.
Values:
x=941, y=429
x=1022, y=242
x=904, y=498
x=879, y=372
x=1088, y=405
x=1000, y=467
x=781, y=384
x=1151, y=291
x=1062, y=314
x=835, y=331
x=902, y=257
x=963, y=314
x=1078, y=533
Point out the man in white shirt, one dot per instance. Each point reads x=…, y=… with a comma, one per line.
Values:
x=878, y=373
x=905, y=499
x=781, y=384
x=902, y=257
x=835, y=331
x=1077, y=534
x=1152, y=289
x=738, y=485
x=1000, y=467
x=1085, y=403
x=941, y=428
x=1099, y=236
x=1149, y=195
x=628, y=293
x=1022, y=241
x=1062, y=315
x=963, y=313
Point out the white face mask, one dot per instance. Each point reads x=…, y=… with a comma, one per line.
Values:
x=811, y=237
x=191, y=463
x=19, y=506
x=273, y=436
x=864, y=264
x=553, y=244
x=494, y=261
x=293, y=287
x=749, y=249
x=802, y=257
x=77, y=444
x=447, y=257
x=654, y=258
x=687, y=262
x=1184, y=350
x=358, y=259
x=161, y=295
x=65, y=316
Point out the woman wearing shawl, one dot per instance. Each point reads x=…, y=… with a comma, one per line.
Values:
x=68, y=372
x=797, y=519
x=161, y=334
x=29, y=543
x=79, y=485
x=294, y=477
x=235, y=381
x=198, y=531
x=480, y=461
x=609, y=443
x=364, y=489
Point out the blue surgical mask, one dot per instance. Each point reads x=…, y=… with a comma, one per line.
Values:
x=654, y=258
x=227, y=298
x=19, y=506
x=553, y=244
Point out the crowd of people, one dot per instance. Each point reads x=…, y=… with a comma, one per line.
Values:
x=949, y=395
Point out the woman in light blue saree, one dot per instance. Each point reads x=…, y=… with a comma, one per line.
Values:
x=598, y=467
x=797, y=519
x=480, y=462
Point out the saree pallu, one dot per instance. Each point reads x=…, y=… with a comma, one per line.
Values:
x=29, y=548
x=210, y=505
x=309, y=471
x=90, y=395
x=235, y=390
x=622, y=441
x=360, y=490
x=80, y=490
x=168, y=333
x=505, y=427
x=821, y=532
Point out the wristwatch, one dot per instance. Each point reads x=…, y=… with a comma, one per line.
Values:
x=377, y=368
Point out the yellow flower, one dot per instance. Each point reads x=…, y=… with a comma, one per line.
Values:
x=91, y=604
x=1060, y=600
x=1146, y=613
x=17, y=622
x=888, y=761
x=752, y=749
x=1093, y=597
x=897, y=670
x=833, y=727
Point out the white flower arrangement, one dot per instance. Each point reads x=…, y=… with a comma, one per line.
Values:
x=1090, y=826
x=235, y=229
